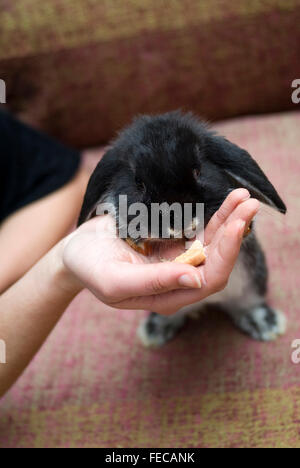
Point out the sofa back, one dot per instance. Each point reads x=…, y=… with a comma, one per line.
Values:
x=80, y=69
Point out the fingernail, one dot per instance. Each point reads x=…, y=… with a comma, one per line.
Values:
x=242, y=227
x=187, y=281
x=246, y=198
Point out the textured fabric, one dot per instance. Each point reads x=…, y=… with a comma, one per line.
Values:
x=80, y=69
x=31, y=165
x=93, y=384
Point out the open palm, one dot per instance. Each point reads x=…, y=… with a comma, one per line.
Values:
x=123, y=278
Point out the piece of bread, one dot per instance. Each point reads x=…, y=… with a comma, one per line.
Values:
x=193, y=256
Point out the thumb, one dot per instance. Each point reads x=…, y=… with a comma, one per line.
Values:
x=136, y=280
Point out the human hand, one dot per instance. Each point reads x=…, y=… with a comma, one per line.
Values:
x=123, y=278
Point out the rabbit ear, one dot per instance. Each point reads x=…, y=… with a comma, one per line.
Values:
x=99, y=184
x=243, y=171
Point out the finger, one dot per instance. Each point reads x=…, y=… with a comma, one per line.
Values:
x=125, y=280
x=165, y=304
x=229, y=205
x=245, y=211
x=223, y=256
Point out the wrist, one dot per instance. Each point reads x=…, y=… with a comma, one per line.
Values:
x=63, y=278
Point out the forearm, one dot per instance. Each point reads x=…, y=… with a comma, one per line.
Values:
x=30, y=309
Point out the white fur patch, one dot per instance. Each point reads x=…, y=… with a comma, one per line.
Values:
x=237, y=292
x=165, y=329
x=259, y=328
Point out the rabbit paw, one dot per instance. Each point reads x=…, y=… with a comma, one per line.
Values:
x=156, y=330
x=262, y=323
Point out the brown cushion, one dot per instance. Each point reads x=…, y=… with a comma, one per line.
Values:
x=81, y=69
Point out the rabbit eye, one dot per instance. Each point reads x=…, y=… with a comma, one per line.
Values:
x=140, y=185
x=196, y=173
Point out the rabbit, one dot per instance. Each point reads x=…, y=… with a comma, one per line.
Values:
x=175, y=157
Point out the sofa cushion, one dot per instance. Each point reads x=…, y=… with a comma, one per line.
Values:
x=80, y=69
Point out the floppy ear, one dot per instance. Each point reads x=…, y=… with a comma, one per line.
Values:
x=243, y=171
x=99, y=184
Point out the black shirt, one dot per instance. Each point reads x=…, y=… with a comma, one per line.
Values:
x=32, y=165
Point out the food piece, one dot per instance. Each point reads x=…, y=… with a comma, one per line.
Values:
x=193, y=256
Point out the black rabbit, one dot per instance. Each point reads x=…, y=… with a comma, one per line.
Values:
x=174, y=157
